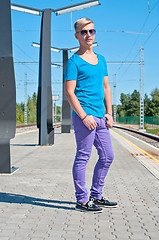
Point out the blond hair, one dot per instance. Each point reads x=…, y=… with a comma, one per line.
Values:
x=81, y=22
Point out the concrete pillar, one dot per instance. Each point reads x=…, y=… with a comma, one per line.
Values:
x=7, y=87
x=44, y=101
x=66, y=109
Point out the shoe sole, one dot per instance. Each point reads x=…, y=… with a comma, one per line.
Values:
x=107, y=206
x=86, y=211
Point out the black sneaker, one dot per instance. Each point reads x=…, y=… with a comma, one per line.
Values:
x=103, y=202
x=88, y=207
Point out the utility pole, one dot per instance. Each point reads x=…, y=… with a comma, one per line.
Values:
x=141, y=89
x=26, y=99
x=114, y=97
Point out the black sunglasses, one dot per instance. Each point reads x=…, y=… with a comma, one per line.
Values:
x=84, y=32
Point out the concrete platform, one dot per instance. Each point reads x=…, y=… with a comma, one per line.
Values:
x=37, y=202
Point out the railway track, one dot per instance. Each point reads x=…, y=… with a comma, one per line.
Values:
x=30, y=127
x=146, y=137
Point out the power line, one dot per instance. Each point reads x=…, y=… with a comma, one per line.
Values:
x=23, y=51
x=110, y=31
x=151, y=34
x=143, y=46
x=30, y=69
x=123, y=31
x=25, y=55
x=138, y=35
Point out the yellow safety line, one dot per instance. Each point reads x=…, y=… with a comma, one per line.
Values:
x=146, y=153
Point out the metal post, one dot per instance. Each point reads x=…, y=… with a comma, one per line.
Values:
x=114, y=97
x=55, y=114
x=26, y=99
x=7, y=87
x=66, y=109
x=44, y=102
x=141, y=89
x=53, y=111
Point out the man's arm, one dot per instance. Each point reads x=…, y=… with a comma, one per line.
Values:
x=75, y=104
x=108, y=99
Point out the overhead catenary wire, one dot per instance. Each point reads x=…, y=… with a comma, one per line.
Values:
x=123, y=31
x=144, y=43
x=154, y=30
x=154, y=6
x=23, y=51
x=25, y=55
x=26, y=65
x=67, y=30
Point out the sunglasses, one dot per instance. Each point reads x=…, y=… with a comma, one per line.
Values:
x=84, y=32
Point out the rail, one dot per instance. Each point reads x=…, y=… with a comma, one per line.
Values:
x=57, y=124
x=149, y=135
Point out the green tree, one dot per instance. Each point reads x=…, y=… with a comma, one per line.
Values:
x=20, y=113
x=34, y=97
x=147, y=108
x=121, y=109
x=31, y=108
x=134, y=104
x=155, y=102
x=17, y=112
x=130, y=104
x=58, y=112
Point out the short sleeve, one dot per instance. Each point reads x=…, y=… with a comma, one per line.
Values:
x=71, y=71
x=105, y=67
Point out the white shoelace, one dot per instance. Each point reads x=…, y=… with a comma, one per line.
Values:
x=90, y=203
x=104, y=198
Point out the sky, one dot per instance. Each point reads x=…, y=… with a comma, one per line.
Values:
x=122, y=27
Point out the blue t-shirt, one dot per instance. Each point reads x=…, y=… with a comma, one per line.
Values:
x=90, y=83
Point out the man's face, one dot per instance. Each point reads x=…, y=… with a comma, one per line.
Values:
x=86, y=38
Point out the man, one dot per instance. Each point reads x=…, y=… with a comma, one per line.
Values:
x=86, y=87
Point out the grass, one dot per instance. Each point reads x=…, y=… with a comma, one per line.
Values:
x=22, y=123
x=153, y=131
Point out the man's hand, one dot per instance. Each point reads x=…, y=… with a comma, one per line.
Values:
x=89, y=122
x=109, y=120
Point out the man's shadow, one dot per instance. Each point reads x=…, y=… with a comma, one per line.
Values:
x=22, y=199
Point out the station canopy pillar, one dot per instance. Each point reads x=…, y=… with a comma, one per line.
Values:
x=66, y=109
x=44, y=100
x=7, y=87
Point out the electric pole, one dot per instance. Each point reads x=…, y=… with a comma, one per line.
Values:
x=114, y=97
x=141, y=89
x=26, y=99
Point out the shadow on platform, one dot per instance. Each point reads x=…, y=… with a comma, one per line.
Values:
x=24, y=145
x=22, y=199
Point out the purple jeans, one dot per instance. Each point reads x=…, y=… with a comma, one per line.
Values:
x=85, y=139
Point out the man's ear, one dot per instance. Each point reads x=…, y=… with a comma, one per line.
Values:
x=76, y=36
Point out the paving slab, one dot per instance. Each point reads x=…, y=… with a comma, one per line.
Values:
x=38, y=201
